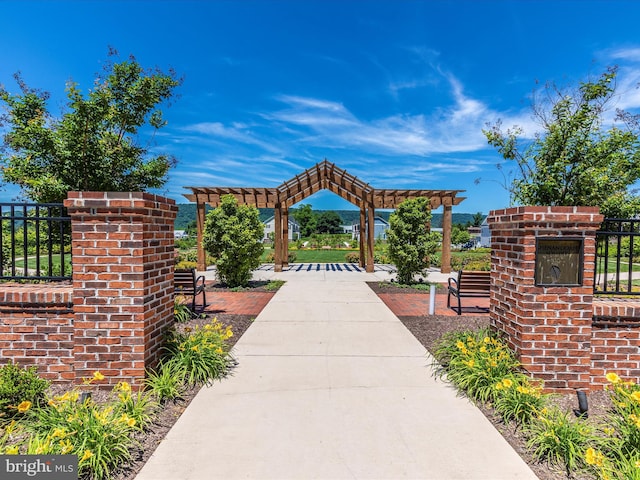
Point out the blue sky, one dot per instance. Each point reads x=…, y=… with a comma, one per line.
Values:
x=395, y=92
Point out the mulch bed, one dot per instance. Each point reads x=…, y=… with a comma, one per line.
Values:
x=429, y=329
x=426, y=329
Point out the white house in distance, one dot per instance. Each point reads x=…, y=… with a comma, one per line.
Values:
x=380, y=227
x=485, y=233
x=270, y=227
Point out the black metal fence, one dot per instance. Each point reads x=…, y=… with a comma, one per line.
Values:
x=618, y=257
x=36, y=242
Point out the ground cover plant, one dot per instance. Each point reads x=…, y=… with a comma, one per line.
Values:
x=103, y=429
x=480, y=366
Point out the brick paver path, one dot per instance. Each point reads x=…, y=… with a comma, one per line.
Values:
x=417, y=304
x=236, y=303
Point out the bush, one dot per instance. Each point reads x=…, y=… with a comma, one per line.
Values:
x=200, y=355
x=624, y=416
x=471, y=261
x=19, y=385
x=166, y=382
x=559, y=438
x=475, y=361
x=233, y=235
x=271, y=257
x=352, y=257
x=516, y=399
x=100, y=435
x=181, y=311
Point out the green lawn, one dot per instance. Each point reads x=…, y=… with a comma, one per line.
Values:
x=316, y=256
x=44, y=261
x=624, y=266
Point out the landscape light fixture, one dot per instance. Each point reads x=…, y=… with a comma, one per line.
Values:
x=583, y=405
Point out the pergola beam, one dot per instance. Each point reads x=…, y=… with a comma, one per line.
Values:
x=324, y=175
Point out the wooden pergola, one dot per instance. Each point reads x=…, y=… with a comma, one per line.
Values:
x=325, y=175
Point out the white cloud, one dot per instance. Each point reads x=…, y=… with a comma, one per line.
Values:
x=629, y=53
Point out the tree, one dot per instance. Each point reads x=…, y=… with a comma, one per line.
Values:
x=307, y=219
x=478, y=218
x=575, y=160
x=93, y=145
x=329, y=222
x=459, y=235
x=233, y=236
x=409, y=239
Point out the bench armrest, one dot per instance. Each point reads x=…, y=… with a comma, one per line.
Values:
x=453, y=283
x=201, y=280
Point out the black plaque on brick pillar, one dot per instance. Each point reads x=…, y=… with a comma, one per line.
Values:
x=559, y=262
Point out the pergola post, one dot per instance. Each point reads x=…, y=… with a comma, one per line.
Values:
x=277, y=241
x=363, y=226
x=370, y=237
x=285, y=236
x=325, y=175
x=446, y=239
x=200, y=217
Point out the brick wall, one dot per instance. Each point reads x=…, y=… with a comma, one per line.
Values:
x=36, y=328
x=123, y=251
x=615, y=342
x=549, y=327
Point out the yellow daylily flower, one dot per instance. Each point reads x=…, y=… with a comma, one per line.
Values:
x=24, y=406
x=613, y=377
x=98, y=376
x=13, y=450
x=87, y=455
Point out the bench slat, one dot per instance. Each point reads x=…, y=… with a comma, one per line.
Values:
x=469, y=284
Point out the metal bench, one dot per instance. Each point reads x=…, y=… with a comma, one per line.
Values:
x=468, y=284
x=186, y=283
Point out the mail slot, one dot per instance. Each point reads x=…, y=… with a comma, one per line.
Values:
x=559, y=262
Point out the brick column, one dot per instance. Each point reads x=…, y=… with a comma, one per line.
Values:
x=122, y=282
x=549, y=327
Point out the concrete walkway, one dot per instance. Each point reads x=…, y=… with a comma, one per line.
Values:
x=331, y=385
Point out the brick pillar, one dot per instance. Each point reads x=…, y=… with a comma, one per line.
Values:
x=122, y=282
x=549, y=327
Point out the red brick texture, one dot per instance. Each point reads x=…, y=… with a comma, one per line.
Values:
x=36, y=328
x=548, y=327
x=123, y=253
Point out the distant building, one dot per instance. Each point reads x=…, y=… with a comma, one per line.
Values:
x=475, y=234
x=380, y=227
x=179, y=234
x=485, y=234
x=347, y=229
x=270, y=227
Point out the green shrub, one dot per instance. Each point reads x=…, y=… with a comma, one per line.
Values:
x=624, y=417
x=274, y=285
x=166, y=382
x=559, y=438
x=233, y=235
x=181, y=311
x=18, y=385
x=100, y=435
x=352, y=257
x=271, y=257
x=471, y=261
x=474, y=361
x=200, y=355
x=517, y=399
x=410, y=242
x=137, y=405
x=186, y=265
